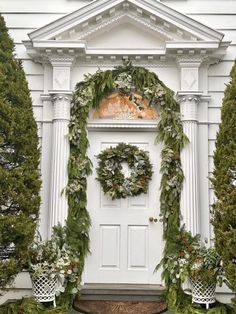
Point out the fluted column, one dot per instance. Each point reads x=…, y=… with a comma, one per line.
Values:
x=60, y=96
x=189, y=97
x=60, y=155
x=189, y=157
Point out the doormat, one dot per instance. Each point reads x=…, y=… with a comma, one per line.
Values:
x=119, y=307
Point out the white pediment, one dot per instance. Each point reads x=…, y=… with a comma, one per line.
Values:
x=146, y=27
x=126, y=35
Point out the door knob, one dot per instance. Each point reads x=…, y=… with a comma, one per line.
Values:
x=152, y=219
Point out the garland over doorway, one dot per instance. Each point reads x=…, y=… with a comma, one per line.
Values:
x=89, y=93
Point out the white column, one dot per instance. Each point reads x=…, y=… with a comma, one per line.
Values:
x=189, y=198
x=60, y=95
x=60, y=155
x=189, y=97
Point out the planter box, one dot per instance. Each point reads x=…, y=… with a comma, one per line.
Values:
x=203, y=293
x=44, y=288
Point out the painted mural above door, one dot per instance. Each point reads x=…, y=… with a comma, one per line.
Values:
x=117, y=106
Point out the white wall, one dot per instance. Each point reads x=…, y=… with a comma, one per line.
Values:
x=24, y=16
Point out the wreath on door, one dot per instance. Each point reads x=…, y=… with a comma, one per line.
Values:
x=111, y=177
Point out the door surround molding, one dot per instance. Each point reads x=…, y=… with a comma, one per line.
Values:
x=122, y=125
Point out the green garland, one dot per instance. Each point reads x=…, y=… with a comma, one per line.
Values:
x=113, y=181
x=88, y=94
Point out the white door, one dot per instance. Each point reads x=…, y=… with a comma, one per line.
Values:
x=125, y=245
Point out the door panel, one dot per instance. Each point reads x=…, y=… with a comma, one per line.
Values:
x=125, y=246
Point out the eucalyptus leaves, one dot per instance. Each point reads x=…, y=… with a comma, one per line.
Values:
x=113, y=181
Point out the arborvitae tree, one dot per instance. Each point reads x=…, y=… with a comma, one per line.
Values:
x=19, y=162
x=224, y=182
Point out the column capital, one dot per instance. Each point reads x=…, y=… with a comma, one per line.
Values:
x=188, y=105
x=61, y=104
x=188, y=96
x=60, y=94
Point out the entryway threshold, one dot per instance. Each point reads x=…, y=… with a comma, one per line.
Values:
x=121, y=292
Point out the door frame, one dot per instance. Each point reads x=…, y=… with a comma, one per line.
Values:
x=109, y=125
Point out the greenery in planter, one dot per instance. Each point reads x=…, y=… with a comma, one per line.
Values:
x=224, y=183
x=194, y=261
x=55, y=259
x=19, y=162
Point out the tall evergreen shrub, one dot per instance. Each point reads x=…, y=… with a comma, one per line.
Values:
x=19, y=161
x=224, y=182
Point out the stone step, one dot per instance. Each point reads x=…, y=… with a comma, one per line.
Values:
x=121, y=292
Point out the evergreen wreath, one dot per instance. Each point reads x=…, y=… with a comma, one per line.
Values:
x=110, y=175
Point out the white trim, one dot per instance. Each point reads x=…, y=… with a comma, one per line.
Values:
x=98, y=7
x=192, y=45
x=113, y=125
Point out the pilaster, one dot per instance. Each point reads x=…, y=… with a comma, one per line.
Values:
x=60, y=97
x=189, y=97
x=189, y=157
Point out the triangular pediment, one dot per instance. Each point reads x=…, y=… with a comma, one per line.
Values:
x=127, y=34
x=103, y=26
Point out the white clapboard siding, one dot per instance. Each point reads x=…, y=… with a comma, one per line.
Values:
x=38, y=113
x=202, y=6
x=19, y=34
x=222, y=68
x=230, y=35
x=216, y=99
x=21, y=52
x=35, y=82
x=31, y=67
x=217, y=21
x=211, y=147
x=26, y=20
x=217, y=83
x=42, y=6
x=35, y=95
x=214, y=115
x=231, y=54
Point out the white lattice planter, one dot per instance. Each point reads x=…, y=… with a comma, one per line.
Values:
x=202, y=293
x=44, y=288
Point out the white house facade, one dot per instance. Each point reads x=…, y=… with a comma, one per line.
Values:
x=191, y=46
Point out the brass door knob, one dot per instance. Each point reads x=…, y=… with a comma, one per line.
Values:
x=152, y=219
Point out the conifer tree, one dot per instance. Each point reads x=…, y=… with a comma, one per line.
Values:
x=19, y=162
x=224, y=182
